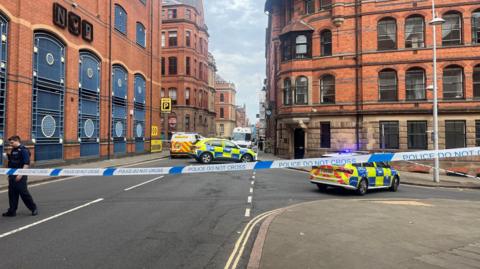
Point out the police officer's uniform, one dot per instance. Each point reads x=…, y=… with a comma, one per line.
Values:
x=17, y=158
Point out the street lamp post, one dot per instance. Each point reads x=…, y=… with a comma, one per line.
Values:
x=435, y=21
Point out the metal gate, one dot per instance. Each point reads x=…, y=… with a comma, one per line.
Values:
x=48, y=97
x=89, y=105
x=119, y=109
x=3, y=78
x=139, y=113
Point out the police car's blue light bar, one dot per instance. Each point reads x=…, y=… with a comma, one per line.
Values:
x=337, y=160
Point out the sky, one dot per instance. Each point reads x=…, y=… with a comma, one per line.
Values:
x=237, y=41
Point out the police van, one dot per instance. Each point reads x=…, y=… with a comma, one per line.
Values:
x=181, y=143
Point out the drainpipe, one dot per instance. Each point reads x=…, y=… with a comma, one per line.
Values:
x=109, y=78
x=358, y=74
x=151, y=74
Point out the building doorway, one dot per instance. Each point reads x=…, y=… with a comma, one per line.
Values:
x=299, y=143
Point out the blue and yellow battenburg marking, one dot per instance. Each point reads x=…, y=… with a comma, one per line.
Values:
x=221, y=152
x=350, y=174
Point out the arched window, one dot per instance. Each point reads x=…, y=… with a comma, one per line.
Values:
x=49, y=91
x=301, y=91
x=89, y=104
x=120, y=19
x=387, y=85
x=120, y=82
x=415, y=84
x=301, y=47
x=139, y=113
x=326, y=42
x=476, y=27
x=172, y=93
x=387, y=34
x=453, y=82
x=141, y=35
x=476, y=82
x=287, y=92
x=327, y=89
x=140, y=89
x=309, y=6
x=415, y=32
x=452, y=29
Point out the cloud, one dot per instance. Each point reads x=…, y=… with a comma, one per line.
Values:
x=237, y=41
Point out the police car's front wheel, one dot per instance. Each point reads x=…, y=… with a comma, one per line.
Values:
x=362, y=187
x=246, y=158
x=206, y=158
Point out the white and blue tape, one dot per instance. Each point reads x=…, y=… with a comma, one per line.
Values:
x=340, y=160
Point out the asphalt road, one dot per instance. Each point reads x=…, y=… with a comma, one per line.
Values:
x=183, y=221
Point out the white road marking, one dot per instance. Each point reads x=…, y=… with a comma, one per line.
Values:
x=253, y=182
x=49, y=218
x=141, y=184
x=253, y=177
x=249, y=200
x=251, y=190
x=247, y=212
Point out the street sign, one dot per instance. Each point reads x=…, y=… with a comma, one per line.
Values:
x=154, y=130
x=166, y=105
x=156, y=146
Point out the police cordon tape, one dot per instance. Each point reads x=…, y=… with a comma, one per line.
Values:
x=260, y=165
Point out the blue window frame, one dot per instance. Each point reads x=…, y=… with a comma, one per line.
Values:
x=89, y=105
x=120, y=19
x=139, y=113
x=3, y=76
x=48, y=97
x=141, y=35
x=119, y=109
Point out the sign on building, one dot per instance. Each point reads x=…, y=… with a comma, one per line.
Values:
x=166, y=105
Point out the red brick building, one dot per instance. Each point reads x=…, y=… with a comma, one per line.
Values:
x=185, y=67
x=241, y=118
x=332, y=89
x=225, y=107
x=80, y=80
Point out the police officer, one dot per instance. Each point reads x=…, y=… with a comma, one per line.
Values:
x=18, y=158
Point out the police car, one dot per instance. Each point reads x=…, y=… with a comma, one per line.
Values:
x=214, y=149
x=359, y=177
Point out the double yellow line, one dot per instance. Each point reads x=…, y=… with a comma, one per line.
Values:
x=244, y=236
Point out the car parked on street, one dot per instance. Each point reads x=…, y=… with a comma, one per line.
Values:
x=359, y=177
x=215, y=149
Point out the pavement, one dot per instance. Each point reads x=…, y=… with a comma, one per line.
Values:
x=418, y=179
x=373, y=233
x=125, y=161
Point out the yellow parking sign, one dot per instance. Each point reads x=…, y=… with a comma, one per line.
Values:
x=166, y=105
